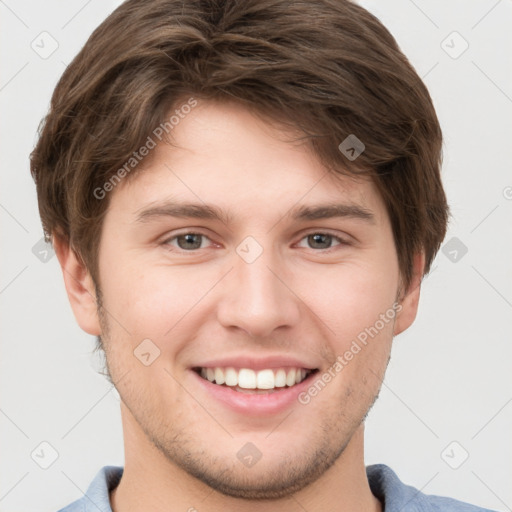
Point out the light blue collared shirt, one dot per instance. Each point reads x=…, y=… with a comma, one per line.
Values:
x=384, y=484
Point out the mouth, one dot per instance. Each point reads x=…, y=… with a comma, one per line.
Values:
x=250, y=381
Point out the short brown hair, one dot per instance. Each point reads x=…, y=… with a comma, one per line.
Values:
x=327, y=67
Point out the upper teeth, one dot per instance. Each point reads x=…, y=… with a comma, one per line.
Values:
x=251, y=379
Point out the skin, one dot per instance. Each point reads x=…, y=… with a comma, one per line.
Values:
x=298, y=298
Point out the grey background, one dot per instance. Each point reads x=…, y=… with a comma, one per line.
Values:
x=449, y=379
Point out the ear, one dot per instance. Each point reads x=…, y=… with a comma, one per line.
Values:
x=79, y=286
x=411, y=297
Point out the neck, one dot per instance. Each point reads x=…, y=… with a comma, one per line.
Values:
x=151, y=482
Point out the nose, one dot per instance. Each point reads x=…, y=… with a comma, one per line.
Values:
x=257, y=298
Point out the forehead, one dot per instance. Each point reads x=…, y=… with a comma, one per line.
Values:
x=223, y=154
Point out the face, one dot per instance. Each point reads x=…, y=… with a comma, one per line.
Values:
x=237, y=256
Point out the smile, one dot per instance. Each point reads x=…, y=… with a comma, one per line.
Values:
x=247, y=380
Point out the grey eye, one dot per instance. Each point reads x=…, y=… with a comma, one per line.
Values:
x=320, y=241
x=189, y=241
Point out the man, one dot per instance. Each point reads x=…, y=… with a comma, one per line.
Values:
x=238, y=193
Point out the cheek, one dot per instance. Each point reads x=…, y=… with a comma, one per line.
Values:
x=149, y=300
x=359, y=312
x=353, y=298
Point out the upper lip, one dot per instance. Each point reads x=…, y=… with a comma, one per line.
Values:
x=256, y=363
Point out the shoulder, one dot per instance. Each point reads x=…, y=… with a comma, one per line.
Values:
x=97, y=494
x=395, y=495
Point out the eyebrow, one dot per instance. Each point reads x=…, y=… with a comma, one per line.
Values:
x=210, y=212
x=330, y=211
x=183, y=210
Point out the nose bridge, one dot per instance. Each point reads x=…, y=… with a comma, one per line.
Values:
x=257, y=300
x=258, y=284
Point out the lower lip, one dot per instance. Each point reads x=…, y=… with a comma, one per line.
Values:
x=255, y=404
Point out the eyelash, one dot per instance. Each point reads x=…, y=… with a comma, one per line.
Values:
x=341, y=241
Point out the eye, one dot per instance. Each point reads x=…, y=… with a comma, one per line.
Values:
x=322, y=241
x=187, y=241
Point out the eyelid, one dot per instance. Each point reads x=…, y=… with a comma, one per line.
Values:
x=187, y=231
x=343, y=239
